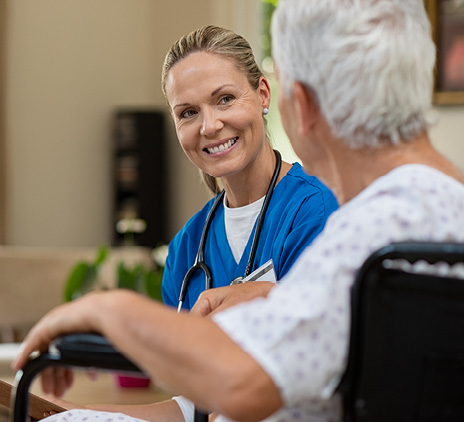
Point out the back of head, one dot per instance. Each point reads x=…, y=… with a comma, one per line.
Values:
x=369, y=64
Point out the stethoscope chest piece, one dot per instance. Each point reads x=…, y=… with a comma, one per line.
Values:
x=237, y=280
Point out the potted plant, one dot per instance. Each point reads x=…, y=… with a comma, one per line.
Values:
x=84, y=277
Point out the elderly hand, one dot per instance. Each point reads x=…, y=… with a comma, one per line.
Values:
x=218, y=299
x=76, y=316
x=81, y=315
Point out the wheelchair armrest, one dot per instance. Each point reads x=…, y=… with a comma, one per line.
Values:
x=77, y=349
x=84, y=350
x=90, y=350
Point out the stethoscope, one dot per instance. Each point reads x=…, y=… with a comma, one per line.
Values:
x=200, y=265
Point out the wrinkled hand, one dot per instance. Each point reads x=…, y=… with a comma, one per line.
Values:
x=218, y=299
x=77, y=316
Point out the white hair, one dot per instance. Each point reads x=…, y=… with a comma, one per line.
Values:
x=369, y=63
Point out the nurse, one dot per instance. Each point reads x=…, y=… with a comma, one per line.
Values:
x=218, y=98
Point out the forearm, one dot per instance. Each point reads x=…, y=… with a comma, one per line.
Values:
x=190, y=355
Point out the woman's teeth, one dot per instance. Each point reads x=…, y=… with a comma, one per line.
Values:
x=222, y=147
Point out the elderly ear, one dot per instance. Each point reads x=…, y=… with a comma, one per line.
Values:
x=307, y=108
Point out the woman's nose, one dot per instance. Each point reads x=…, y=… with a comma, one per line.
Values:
x=211, y=124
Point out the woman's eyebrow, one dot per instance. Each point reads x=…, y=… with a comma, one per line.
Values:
x=218, y=89
x=181, y=105
x=212, y=95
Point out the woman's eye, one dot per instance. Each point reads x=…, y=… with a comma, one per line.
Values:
x=226, y=99
x=187, y=113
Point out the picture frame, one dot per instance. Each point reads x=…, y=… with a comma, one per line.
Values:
x=447, y=20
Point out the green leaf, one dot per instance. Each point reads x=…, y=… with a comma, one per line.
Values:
x=140, y=279
x=84, y=275
x=124, y=278
x=101, y=255
x=153, y=282
x=81, y=279
x=90, y=279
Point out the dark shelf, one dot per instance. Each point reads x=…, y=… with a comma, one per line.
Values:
x=139, y=175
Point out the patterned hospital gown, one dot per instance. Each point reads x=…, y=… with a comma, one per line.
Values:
x=84, y=415
x=300, y=333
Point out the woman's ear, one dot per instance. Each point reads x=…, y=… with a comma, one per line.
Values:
x=265, y=92
x=306, y=108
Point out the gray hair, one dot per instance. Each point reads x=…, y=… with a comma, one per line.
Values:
x=369, y=63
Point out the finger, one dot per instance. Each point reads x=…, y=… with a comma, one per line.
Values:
x=37, y=339
x=56, y=380
x=210, y=300
x=64, y=379
x=47, y=414
x=24, y=354
x=202, y=307
x=60, y=383
x=69, y=375
x=48, y=380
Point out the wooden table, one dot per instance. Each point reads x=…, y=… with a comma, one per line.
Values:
x=103, y=390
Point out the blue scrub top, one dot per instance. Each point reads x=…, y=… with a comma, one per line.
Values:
x=297, y=212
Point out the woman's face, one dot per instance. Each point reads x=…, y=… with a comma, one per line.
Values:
x=217, y=114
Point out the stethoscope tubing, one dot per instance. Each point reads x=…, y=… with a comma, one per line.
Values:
x=199, y=264
x=262, y=213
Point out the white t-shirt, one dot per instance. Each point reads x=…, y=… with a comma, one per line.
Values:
x=300, y=333
x=239, y=224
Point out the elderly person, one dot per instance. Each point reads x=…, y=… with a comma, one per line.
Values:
x=356, y=80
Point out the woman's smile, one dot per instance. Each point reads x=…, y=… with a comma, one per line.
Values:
x=222, y=147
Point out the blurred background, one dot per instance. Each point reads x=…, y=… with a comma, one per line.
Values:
x=75, y=79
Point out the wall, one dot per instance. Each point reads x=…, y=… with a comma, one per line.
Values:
x=69, y=64
x=2, y=116
x=448, y=134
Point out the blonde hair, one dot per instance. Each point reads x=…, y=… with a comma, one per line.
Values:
x=220, y=41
